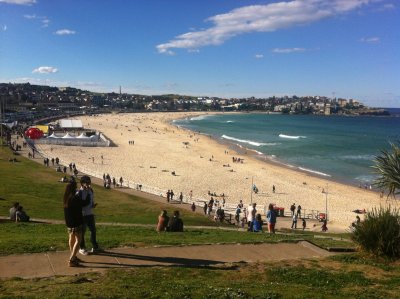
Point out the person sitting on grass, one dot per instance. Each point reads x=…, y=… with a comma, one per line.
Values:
x=20, y=215
x=257, y=224
x=13, y=211
x=163, y=220
x=175, y=224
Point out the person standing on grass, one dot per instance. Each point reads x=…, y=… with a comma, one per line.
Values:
x=73, y=205
x=175, y=224
x=271, y=218
x=86, y=192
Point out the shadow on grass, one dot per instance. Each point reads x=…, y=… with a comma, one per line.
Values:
x=156, y=261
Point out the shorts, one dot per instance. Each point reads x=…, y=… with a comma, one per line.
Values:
x=77, y=229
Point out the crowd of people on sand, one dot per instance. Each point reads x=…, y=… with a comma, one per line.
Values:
x=79, y=216
x=18, y=214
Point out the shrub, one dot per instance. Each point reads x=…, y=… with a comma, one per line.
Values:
x=379, y=234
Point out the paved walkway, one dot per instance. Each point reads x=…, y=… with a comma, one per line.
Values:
x=49, y=264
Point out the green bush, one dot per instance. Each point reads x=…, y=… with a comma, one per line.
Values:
x=379, y=234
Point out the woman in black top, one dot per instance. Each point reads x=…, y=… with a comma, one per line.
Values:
x=73, y=204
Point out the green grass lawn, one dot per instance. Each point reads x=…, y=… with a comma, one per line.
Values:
x=340, y=277
x=37, y=189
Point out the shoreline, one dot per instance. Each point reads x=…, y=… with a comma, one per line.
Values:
x=242, y=150
x=160, y=159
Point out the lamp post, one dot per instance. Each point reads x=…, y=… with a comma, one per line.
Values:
x=251, y=194
x=326, y=203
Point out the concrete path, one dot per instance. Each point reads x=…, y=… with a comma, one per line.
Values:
x=49, y=264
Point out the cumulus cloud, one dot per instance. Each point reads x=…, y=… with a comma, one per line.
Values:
x=259, y=56
x=45, y=70
x=287, y=50
x=370, y=40
x=65, y=32
x=19, y=2
x=260, y=18
x=4, y=28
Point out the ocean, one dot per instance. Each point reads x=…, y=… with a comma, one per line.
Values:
x=340, y=148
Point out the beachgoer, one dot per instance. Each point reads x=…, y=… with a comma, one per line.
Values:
x=89, y=222
x=251, y=214
x=120, y=181
x=294, y=221
x=324, y=226
x=20, y=215
x=257, y=224
x=237, y=214
x=299, y=211
x=190, y=195
x=73, y=219
x=171, y=195
x=193, y=207
x=271, y=218
x=180, y=198
x=175, y=224
x=168, y=195
x=13, y=211
x=205, y=208
x=293, y=208
x=220, y=213
x=304, y=224
x=273, y=188
x=163, y=220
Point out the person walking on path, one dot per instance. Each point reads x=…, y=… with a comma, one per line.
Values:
x=86, y=192
x=73, y=205
x=304, y=223
x=205, y=208
x=294, y=221
x=271, y=218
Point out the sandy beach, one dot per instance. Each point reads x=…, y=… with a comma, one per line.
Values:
x=201, y=164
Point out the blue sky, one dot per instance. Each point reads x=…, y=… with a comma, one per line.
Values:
x=226, y=48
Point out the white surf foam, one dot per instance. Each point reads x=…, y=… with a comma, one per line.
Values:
x=200, y=117
x=243, y=140
x=314, y=171
x=291, y=137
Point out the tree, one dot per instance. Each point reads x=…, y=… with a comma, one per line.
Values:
x=387, y=165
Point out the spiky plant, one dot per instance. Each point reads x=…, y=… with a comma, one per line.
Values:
x=379, y=233
x=387, y=165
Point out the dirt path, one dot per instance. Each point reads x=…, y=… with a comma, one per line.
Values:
x=55, y=263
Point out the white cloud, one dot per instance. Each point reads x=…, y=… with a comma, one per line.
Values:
x=45, y=70
x=259, y=56
x=370, y=40
x=4, y=28
x=19, y=2
x=287, y=50
x=65, y=32
x=260, y=18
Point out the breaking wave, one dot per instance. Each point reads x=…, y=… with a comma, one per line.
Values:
x=291, y=137
x=244, y=141
x=314, y=171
